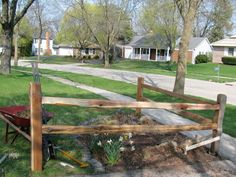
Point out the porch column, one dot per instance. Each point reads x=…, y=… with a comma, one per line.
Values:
x=167, y=55
x=156, y=55
x=149, y=50
x=140, y=55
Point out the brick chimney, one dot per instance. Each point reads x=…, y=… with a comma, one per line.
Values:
x=48, y=50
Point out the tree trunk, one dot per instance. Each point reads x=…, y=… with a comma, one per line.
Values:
x=182, y=57
x=7, y=50
x=39, y=48
x=16, y=50
x=107, y=63
x=187, y=10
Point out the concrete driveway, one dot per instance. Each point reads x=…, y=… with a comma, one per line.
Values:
x=194, y=87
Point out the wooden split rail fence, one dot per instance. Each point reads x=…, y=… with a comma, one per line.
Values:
x=37, y=129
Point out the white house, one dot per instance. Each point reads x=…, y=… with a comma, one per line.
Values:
x=197, y=46
x=155, y=48
x=63, y=50
x=147, y=47
x=224, y=47
x=46, y=45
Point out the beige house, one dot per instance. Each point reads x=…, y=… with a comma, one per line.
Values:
x=224, y=47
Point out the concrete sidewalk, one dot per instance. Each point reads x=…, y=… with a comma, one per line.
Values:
x=227, y=145
x=194, y=87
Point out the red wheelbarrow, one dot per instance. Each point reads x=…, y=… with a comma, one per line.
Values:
x=11, y=116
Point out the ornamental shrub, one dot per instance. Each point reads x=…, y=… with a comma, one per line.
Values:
x=229, y=60
x=201, y=59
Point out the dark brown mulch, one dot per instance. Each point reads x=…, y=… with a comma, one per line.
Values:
x=151, y=150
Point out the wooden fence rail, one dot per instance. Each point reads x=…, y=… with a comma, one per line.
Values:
x=37, y=129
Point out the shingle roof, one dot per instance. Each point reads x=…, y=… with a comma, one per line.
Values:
x=149, y=41
x=228, y=42
x=157, y=41
x=194, y=42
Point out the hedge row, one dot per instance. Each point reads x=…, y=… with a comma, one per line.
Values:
x=229, y=60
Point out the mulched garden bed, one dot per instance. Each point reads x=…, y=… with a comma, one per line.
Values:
x=161, y=151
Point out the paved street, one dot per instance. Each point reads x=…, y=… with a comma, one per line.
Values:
x=194, y=87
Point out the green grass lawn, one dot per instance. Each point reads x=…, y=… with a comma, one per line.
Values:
x=53, y=59
x=229, y=125
x=14, y=91
x=204, y=71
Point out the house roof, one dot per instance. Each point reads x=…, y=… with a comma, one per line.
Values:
x=227, y=42
x=193, y=43
x=62, y=46
x=149, y=41
x=158, y=41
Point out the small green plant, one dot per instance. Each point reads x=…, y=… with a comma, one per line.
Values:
x=112, y=146
x=201, y=59
x=112, y=151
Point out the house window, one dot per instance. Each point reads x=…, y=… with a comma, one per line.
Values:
x=137, y=51
x=145, y=51
x=92, y=51
x=87, y=51
x=231, y=52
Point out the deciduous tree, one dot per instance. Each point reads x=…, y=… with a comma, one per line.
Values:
x=8, y=20
x=155, y=19
x=106, y=22
x=187, y=10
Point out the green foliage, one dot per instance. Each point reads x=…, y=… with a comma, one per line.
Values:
x=95, y=57
x=25, y=32
x=220, y=19
x=112, y=150
x=229, y=60
x=155, y=19
x=201, y=59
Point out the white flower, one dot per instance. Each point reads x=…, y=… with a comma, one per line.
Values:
x=109, y=141
x=121, y=139
x=132, y=148
x=99, y=143
x=122, y=149
x=131, y=142
x=95, y=134
x=14, y=155
x=130, y=135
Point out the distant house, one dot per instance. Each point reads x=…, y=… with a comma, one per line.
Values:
x=154, y=48
x=46, y=45
x=63, y=50
x=197, y=46
x=147, y=47
x=224, y=47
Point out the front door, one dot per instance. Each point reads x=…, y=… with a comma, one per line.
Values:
x=153, y=54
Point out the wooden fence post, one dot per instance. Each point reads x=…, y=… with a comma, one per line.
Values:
x=218, y=119
x=139, y=95
x=36, y=126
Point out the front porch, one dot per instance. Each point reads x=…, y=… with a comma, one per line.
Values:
x=151, y=54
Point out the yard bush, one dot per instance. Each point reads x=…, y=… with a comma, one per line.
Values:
x=229, y=60
x=201, y=59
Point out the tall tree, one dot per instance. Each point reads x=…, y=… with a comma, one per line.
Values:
x=154, y=19
x=106, y=22
x=73, y=30
x=187, y=10
x=212, y=20
x=22, y=39
x=8, y=20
